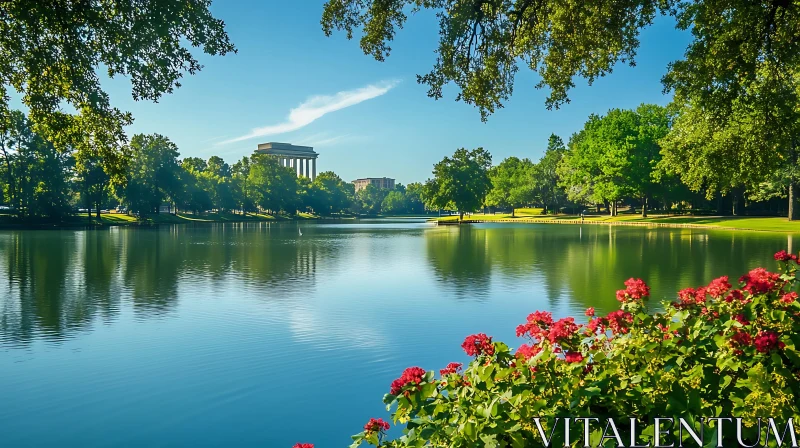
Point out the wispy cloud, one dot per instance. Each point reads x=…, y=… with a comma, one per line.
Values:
x=316, y=107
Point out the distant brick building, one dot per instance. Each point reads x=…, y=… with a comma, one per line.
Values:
x=377, y=182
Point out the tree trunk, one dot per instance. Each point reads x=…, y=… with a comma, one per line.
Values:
x=644, y=207
x=792, y=200
x=97, y=210
x=512, y=212
x=460, y=215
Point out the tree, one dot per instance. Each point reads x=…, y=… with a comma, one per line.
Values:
x=273, y=187
x=461, y=181
x=414, y=193
x=370, y=199
x=36, y=175
x=546, y=181
x=241, y=172
x=329, y=194
x=54, y=51
x=395, y=203
x=93, y=184
x=482, y=43
x=614, y=156
x=153, y=175
x=740, y=147
x=512, y=184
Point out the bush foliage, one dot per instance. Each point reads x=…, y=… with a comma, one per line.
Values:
x=715, y=351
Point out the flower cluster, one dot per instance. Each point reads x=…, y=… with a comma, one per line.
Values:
x=453, y=367
x=527, y=352
x=376, y=425
x=411, y=376
x=563, y=330
x=789, y=297
x=766, y=341
x=537, y=325
x=635, y=290
x=478, y=344
x=782, y=255
x=303, y=445
x=718, y=287
x=617, y=321
x=760, y=281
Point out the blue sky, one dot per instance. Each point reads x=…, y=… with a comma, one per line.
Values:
x=366, y=118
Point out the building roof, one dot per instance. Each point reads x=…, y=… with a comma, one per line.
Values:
x=286, y=149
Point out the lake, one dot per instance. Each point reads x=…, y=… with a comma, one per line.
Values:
x=254, y=335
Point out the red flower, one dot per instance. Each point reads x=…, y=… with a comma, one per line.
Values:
x=477, y=344
x=573, y=357
x=596, y=324
x=741, y=319
x=782, y=255
x=789, y=297
x=767, y=341
x=563, y=330
x=412, y=375
x=376, y=424
x=635, y=289
x=453, y=367
x=741, y=339
x=617, y=321
x=718, y=287
x=303, y=445
x=759, y=281
x=590, y=311
x=528, y=351
x=736, y=294
x=537, y=325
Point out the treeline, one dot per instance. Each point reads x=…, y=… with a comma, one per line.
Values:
x=625, y=158
x=148, y=177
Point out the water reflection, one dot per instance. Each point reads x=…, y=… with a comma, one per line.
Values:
x=61, y=282
x=587, y=264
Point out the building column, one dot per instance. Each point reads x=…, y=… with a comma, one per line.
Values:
x=313, y=168
x=297, y=165
x=307, y=168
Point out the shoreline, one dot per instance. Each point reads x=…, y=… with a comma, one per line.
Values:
x=765, y=224
x=118, y=220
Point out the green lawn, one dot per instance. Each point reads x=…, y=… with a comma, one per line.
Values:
x=771, y=224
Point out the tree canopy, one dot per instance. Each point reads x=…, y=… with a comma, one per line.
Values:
x=482, y=43
x=615, y=156
x=52, y=53
x=512, y=184
x=461, y=181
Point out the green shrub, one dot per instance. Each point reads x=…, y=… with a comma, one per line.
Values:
x=715, y=351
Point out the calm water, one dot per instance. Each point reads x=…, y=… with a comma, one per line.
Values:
x=252, y=335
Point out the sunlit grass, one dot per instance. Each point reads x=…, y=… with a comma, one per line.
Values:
x=771, y=224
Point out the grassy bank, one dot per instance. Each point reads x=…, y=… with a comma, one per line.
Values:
x=118, y=219
x=766, y=224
